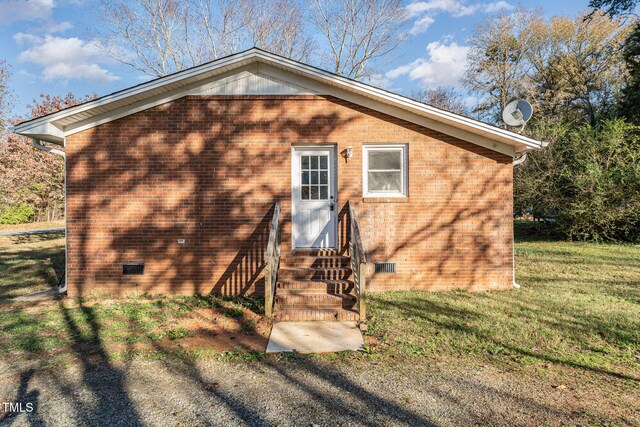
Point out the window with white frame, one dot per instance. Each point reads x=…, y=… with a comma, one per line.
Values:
x=385, y=170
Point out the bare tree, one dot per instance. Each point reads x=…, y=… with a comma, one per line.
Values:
x=358, y=33
x=159, y=37
x=443, y=97
x=571, y=69
x=498, y=66
x=5, y=93
x=279, y=27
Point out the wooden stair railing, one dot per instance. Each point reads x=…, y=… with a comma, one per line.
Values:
x=272, y=261
x=358, y=262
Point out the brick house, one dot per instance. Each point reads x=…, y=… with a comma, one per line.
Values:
x=256, y=173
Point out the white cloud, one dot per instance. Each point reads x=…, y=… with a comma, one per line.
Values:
x=444, y=66
x=455, y=7
x=25, y=10
x=58, y=27
x=497, y=6
x=421, y=25
x=424, y=11
x=65, y=58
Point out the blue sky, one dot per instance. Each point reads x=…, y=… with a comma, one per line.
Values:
x=50, y=47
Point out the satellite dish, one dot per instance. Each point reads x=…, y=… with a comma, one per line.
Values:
x=517, y=113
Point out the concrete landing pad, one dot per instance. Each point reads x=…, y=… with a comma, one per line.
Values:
x=314, y=337
x=46, y=295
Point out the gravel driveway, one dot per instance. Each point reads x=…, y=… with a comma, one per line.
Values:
x=301, y=392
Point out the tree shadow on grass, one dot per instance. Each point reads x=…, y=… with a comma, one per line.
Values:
x=22, y=239
x=458, y=320
x=106, y=382
x=24, y=270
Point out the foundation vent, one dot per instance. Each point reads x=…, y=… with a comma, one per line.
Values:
x=132, y=269
x=385, y=267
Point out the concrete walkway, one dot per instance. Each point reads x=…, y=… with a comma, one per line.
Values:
x=314, y=337
x=39, y=296
x=26, y=232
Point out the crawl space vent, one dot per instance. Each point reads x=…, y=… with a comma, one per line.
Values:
x=136, y=269
x=385, y=267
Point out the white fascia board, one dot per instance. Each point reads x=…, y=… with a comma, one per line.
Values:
x=43, y=132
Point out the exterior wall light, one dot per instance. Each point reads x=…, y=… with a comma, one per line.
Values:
x=347, y=153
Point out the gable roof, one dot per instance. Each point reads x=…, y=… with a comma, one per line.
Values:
x=258, y=71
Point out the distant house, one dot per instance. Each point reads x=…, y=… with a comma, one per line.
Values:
x=172, y=187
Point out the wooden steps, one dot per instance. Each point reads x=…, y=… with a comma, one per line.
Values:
x=313, y=273
x=315, y=285
x=305, y=315
x=320, y=300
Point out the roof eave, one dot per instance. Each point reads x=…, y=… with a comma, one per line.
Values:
x=45, y=128
x=47, y=132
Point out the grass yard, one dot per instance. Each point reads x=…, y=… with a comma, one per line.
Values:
x=30, y=263
x=32, y=225
x=579, y=306
x=575, y=323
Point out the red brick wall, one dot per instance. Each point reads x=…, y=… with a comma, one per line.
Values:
x=207, y=170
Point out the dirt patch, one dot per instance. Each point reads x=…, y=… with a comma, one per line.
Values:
x=210, y=328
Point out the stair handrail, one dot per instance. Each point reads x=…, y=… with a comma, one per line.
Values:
x=358, y=261
x=272, y=260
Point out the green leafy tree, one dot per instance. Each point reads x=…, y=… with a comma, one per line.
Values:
x=630, y=102
x=590, y=177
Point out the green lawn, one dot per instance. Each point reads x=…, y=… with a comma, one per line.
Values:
x=32, y=225
x=30, y=263
x=579, y=308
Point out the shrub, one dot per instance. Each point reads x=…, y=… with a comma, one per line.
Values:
x=590, y=178
x=17, y=214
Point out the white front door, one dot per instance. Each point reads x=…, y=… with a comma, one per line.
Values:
x=313, y=196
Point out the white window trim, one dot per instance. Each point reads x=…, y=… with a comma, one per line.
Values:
x=404, y=169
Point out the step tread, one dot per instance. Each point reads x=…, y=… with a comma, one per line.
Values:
x=314, y=269
x=311, y=314
x=327, y=296
x=313, y=252
x=328, y=257
x=311, y=301
x=317, y=282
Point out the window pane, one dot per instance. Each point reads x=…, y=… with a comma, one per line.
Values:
x=314, y=193
x=323, y=162
x=305, y=177
x=314, y=177
x=324, y=192
x=305, y=193
x=385, y=160
x=305, y=162
x=314, y=162
x=324, y=177
x=385, y=182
